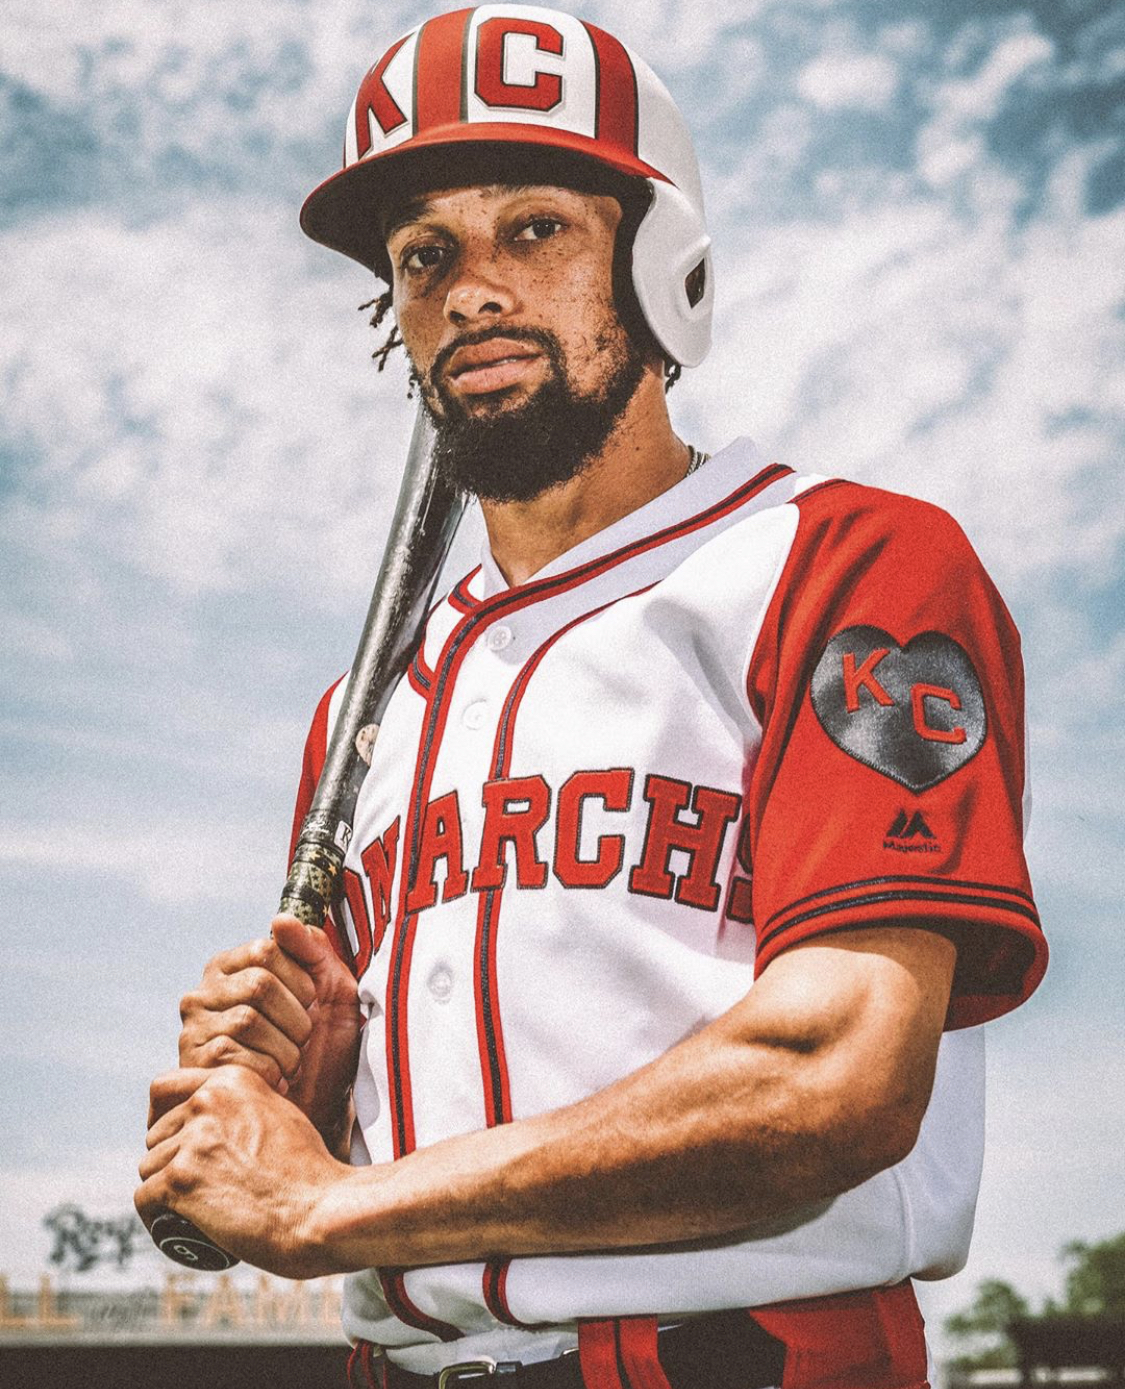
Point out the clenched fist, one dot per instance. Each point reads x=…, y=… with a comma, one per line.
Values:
x=285, y=1008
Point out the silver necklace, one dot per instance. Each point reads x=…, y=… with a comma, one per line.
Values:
x=697, y=459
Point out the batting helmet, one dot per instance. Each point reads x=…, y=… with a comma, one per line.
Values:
x=503, y=75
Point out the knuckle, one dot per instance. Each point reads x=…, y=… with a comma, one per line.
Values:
x=177, y=1181
x=159, y=1085
x=242, y=1020
x=217, y=966
x=262, y=952
x=190, y=1004
x=220, y=1050
x=259, y=985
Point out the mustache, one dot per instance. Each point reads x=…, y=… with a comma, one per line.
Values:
x=537, y=337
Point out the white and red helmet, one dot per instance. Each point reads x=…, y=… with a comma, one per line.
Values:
x=522, y=75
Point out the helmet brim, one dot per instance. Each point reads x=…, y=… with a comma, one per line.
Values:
x=343, y=213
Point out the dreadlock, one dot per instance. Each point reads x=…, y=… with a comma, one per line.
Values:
x=382, y=306
x=385, y=302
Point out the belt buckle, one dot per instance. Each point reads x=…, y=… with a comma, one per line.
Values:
x=465, y=1371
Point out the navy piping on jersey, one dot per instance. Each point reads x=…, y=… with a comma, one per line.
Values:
x=952, y=896
x=900, y=878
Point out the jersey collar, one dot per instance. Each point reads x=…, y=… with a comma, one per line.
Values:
x=737, y=462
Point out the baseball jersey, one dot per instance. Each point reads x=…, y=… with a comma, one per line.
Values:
x=761, y=709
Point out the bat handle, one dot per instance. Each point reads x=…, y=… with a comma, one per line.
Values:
x=178, y=1239
x=318, y=859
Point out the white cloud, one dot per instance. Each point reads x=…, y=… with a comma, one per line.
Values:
x=950, y=144
x=201, y=407
x=861, y=81
x=169, y=862
x=268, y=67
x=979, y=96
x=960, y=358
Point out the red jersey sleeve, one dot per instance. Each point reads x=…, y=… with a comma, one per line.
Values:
x=889, y=788
x=316, y=748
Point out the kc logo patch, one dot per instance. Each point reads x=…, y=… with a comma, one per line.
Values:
x=915, y=713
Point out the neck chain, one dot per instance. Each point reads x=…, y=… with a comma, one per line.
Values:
x=697, y=460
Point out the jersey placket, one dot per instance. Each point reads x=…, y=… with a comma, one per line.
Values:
x=439, y=688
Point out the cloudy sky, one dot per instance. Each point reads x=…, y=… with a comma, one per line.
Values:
x=920, y=234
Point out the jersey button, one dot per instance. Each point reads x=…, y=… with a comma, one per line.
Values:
x=441, y=983
x=498, y=638
x=475, y=715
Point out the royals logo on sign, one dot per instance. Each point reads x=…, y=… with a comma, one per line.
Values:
x=915, y=713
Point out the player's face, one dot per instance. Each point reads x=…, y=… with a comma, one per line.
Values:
x=504, y=299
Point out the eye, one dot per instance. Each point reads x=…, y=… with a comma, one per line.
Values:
x=539, y=229
x=417, y=259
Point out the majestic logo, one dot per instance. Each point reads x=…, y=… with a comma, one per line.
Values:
x=915, y=713
x=911, y=834
x=901, y=828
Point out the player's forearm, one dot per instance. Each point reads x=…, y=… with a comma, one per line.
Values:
x=633, y=1165
x=751, y=1118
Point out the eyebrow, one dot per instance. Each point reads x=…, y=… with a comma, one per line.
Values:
x=416, y=208
x=404, y=215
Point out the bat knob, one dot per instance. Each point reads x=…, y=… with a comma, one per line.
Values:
x=178, y=1239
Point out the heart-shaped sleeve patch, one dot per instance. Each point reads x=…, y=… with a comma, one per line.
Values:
x=913, y=712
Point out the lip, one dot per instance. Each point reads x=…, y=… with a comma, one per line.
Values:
x=491, y=366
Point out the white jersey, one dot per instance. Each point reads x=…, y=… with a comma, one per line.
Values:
x=760, y=708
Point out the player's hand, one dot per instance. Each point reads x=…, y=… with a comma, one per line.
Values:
x=285, y=1008
x=245, y=1165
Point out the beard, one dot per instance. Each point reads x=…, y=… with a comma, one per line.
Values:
x=516, y=453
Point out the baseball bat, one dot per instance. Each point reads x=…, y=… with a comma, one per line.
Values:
x=422, y=530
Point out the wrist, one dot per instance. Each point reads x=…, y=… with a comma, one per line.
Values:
x=340, y=1230
x=335, y=1126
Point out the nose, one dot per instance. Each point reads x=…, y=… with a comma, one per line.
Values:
x=478, y=292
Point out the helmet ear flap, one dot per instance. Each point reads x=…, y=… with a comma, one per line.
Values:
x=635, y=202
x=672, y=274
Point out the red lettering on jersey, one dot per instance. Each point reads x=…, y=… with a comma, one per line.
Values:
x=515, y=810
x=379, y=859
x=740, y=898
x=491, y=85
x=865, y=677
x=702, y=842
x=918, y=696
x=440, y=838
x=614, y=788
x=361, y=921
x=373, y=99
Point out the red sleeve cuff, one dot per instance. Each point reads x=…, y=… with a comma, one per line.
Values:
x=1001, y=951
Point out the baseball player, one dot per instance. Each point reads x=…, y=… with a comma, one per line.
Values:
x=643, y=1048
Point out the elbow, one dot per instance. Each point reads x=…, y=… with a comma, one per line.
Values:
x=887, y=1137
x=875, y=1132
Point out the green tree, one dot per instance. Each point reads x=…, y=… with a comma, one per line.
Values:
x=1094, y=1287
x=983, y=1327
x=1095, y=1282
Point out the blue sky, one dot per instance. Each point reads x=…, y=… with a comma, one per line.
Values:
x=920, y=239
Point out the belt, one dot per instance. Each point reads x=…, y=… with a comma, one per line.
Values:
x=722, y=1350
